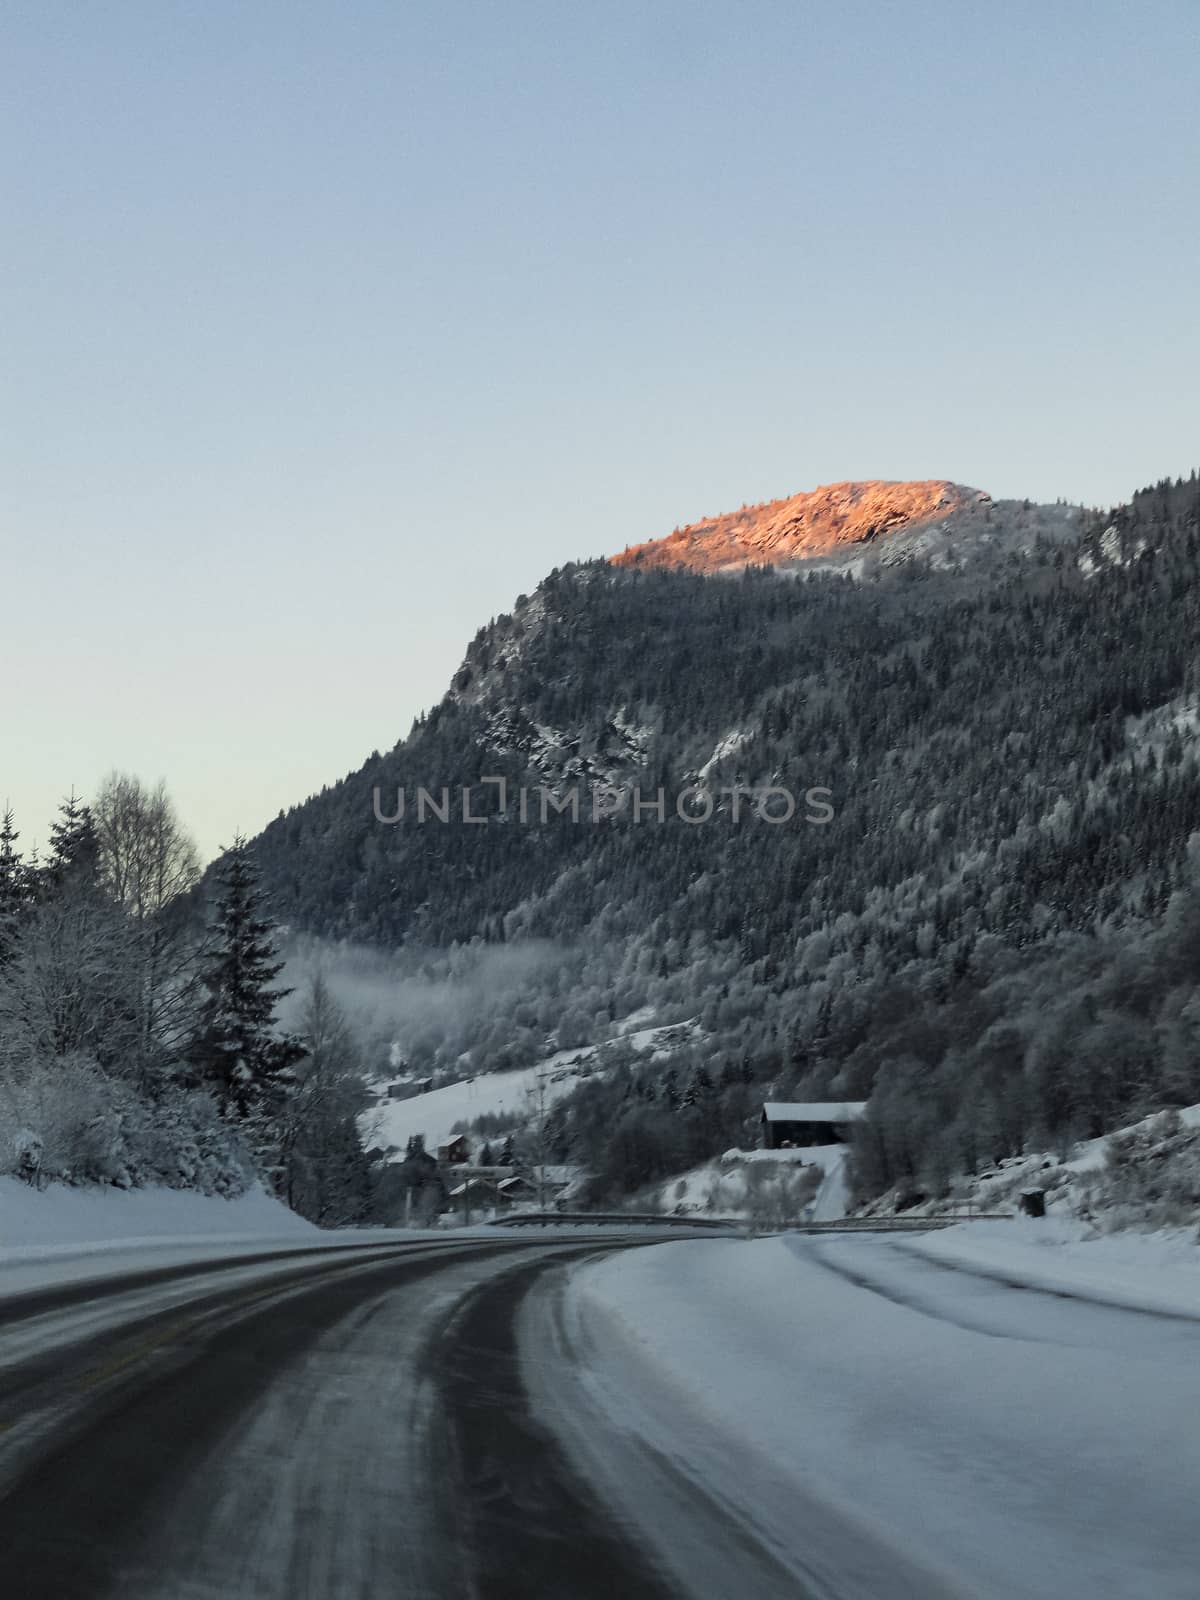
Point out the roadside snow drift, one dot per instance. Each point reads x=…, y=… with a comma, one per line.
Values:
x=59, y=1219
x=1012, y=1442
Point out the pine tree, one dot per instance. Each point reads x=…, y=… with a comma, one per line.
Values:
x=74, y=846
x=15, y=887
x=240, y=1055
x=325, y=1176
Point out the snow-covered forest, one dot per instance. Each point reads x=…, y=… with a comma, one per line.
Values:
x=138, y=1036
x=995, y=938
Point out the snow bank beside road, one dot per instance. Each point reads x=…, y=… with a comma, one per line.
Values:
x=1138, y=1272
x=1024, y=1444
x=60, y=1220
x=63, y=1235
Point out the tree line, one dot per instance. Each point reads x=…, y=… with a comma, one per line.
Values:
x=138, y=1020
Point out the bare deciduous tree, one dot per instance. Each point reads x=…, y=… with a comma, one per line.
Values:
x=147, y=864
x=146, y=858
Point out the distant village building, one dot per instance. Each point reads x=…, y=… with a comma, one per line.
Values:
x=455, y=1152
x=788, y=1123
x=474, y=1194
x=409, y=1088
x=517, y=1188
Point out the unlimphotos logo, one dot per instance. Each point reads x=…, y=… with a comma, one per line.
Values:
x=772, y=803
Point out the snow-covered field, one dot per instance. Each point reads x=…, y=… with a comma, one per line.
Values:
x=859, y=1401
x=435, y=1114
x=516, y=1094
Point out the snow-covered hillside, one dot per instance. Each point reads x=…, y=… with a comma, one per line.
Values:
x=1144, y=1175
x=435, y=1115
x=771, y=1186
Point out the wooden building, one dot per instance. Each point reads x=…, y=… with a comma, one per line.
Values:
x=788, y=1124
x=517, y=1189
x=455, y=1152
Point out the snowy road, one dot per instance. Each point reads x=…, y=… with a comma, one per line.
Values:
x=301, y=1425
x=793, y=1418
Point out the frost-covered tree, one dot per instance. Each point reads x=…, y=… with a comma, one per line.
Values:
x=65, y=990
x=146, y=858
x=147, y=864
x=70, y=1011
x=16, y=886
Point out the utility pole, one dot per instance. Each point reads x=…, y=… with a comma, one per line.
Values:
x=540, y=1091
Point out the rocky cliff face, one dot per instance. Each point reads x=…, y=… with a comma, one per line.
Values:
x=816, y=523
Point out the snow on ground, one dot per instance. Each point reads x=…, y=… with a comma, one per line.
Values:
x=515, y=1094
x=833, y=1197
x=1152, y=729
x=435, y=1114
x=724, y=747
x=727, y=1187
x=59, y=1219
x=1075, y=1185
x=845, y=1395
x=1157, y=1272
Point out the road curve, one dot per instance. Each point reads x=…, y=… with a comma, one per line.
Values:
x=343, y=1427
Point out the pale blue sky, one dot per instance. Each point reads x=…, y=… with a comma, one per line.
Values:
x=329, y=328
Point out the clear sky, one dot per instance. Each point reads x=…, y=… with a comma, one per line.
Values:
x=330, y=328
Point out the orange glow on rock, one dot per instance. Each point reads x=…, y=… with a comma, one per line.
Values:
x=804, y=525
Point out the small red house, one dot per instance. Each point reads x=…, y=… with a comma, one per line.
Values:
x=455, y=1153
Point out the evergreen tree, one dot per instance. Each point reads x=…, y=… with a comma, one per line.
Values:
x=412, y=1190
x=74, y=845
x=15, y=887
x=669, y=1092
x=240, y=1056
x=324, y=1168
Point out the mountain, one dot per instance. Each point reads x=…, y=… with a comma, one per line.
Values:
x=983, y=913
x=815, y=523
